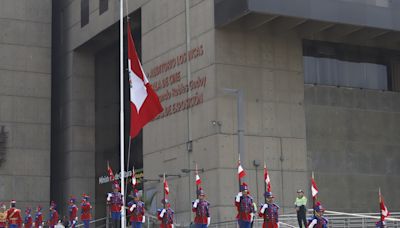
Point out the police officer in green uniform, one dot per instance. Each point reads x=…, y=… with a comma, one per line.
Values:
x=301, y=208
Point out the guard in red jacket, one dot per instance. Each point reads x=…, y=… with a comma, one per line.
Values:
x=53, y=216
x=136, y=210
x=269, y=212
x=38, y=217
x=244, y=206
x=14, y=218
x=166, y=215
x=28, y=221
x=201, y=208
x=114, y=199
x=73, y=211
x=85, y=210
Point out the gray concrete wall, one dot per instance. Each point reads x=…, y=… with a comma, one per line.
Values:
x=353, y=142
x=25, y=92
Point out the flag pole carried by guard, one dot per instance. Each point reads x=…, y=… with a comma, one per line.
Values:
x=267, y=180
x=314, y=191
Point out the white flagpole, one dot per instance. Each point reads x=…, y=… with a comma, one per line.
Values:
x=121, y=90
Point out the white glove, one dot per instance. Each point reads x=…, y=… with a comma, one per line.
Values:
x=132, y=207
x=144, y=219
x=251, y=217
x=313, y=223
x=76, y=218
x=238, y=197
x=208, y=221
x=109, y=196
x=265, y=206
x=195, y=203
x=162, y=213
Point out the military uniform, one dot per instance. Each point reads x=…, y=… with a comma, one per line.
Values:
x=85, y=211
x=136, y=211
x=53, y=216
x=3, y=215
x=114, y=199
x=318, y=221
x=380, y=224
x=73, y=211
x=14, y=218
x=166, y=215
x=244, y=206
x=201, y=208
x=269, y=212
x=38, y=217
x=28, y=221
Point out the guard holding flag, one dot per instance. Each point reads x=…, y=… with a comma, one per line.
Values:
x=201, y=208
x=166, y=215
x=269, y=212
x=136, y=210
x=244, y=206
x=383, y=211
x=318, y=220
x=85, y=210
x=73, y=211
x=14, y=218
x=114, y=199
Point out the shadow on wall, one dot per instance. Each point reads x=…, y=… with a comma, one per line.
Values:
x=3, y=142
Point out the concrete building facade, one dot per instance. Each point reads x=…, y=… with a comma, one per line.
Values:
x=320, y=81
x=25, y=101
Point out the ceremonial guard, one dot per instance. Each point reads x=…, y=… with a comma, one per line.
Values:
x=201, y=208
x=136, y=210
x=244, y=206
x=114, y=199
x=269, y=212
x=166, y=215
x=38, y=217
x=28, y=221
x=85, y=210
x=318, y=220
x=14, y=218
x=53, y=217
x=380, y=224
x=3, y=216
x=73, y=212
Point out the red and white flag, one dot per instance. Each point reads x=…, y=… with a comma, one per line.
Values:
x=314, y=188
x=166, y=188
x=266, y=178
x=384, y=211
x=198, y=180
x=133, y=178
x=145, y=105
x=110, y=172
x=241, y=172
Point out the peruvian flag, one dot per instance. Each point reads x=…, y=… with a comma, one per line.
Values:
x=198, y=180
x=266, y=178
x=384, y=211
x=241, y=172
x=145, y=105
x=110, y=172
x=166, y=188
x=133, y=178
x=314, y=188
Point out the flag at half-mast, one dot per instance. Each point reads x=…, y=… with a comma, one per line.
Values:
x=144, y=102
x=267, y=179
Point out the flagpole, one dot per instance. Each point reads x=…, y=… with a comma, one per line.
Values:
x=240, y=179
x=380, y=211
x=121, y=90
x=195, y=179
x=265, y=183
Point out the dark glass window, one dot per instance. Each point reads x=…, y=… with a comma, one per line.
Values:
x=103, y=6
x=346, y=65
x=84, y=12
